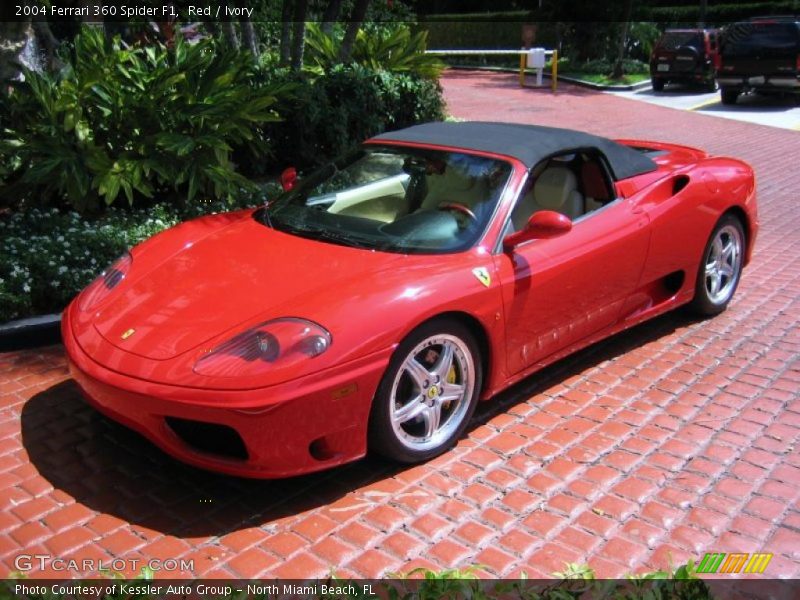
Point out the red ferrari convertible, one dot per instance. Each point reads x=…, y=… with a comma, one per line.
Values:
x=375, y=302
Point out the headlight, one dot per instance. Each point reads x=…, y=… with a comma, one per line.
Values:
x=105, y=282
x=278, y=343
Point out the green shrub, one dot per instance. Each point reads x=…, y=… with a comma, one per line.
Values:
x=601, y=67
x=487, y=31
x=393, y=49
x=329, y=114
x=140, y=122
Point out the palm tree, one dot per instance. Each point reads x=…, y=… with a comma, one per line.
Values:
x=356, y=18
x=623, y=38
x=286, y=33
x=331, y=15
x=299, y=33
x=13, y=39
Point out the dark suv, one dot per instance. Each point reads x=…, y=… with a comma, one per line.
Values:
x=760, y=54
x=685, y=56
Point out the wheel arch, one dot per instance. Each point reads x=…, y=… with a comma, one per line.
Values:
x=741, y=215
x=475, y=327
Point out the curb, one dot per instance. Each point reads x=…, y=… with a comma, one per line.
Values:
x=579, y=82
x=605, y=88
x=42, y=330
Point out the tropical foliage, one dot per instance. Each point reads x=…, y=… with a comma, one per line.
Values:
x=394, y=49
x=133, y=122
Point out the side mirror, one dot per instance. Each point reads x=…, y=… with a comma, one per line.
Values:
x=542, y=225
x=288, y=178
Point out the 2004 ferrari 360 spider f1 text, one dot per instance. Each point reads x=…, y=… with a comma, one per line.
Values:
x=375, y=302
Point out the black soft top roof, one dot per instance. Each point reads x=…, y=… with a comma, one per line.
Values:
x=530, y=144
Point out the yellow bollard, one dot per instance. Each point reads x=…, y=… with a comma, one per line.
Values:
x=554, y=74
x=523, y=61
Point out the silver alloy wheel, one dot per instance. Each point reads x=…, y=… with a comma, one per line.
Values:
x=431, y=392
x=723, y=264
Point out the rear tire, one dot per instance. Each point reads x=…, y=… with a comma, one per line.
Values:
x=729, y=95
x=428, y=393
x=658, y=84
x=720, y=267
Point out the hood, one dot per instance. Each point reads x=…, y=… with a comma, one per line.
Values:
x=236, y=274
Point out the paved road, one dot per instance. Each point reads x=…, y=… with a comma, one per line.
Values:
x=774, y=111
x=676, y=438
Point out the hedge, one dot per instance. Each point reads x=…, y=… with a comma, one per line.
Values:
x=721, y=13
x=484, y=31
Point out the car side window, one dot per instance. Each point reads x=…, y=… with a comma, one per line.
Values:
x=573, y=184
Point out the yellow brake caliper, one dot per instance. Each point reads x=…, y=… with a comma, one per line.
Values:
x=451, y=378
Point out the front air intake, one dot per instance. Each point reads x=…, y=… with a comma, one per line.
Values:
x=209, y=438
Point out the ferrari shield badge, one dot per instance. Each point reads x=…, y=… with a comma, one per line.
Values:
x=482, y=273
x=128, y=333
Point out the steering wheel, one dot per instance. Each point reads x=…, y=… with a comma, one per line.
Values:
x=459, y=208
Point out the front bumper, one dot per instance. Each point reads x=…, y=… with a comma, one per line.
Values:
x=288, y=429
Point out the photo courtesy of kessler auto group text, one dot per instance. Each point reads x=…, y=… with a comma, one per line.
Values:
x=316, y=299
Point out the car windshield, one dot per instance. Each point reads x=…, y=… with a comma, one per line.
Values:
x=745, y=39
x=394, y=199
x=672, y=40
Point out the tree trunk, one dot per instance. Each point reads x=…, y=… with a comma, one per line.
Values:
x=249, y=36
x=286, y=33
x=330, y=16
x=13, y=39
x=49, y=43
x=356, y=18
x=299, y=33
x=229, y=33
x=623, y=38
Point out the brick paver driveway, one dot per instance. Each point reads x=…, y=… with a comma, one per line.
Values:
x=672, y=439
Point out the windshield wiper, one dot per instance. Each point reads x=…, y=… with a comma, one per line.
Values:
x=317, y=233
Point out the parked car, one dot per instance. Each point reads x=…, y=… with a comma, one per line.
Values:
x=684, y=56
x=761, y=55
x=375, y=302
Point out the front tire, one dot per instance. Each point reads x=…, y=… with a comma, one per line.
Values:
x=428, y=394
x=720, y=267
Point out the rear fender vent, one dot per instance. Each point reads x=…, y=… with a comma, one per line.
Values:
x=679, y=182
x=666, y=188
